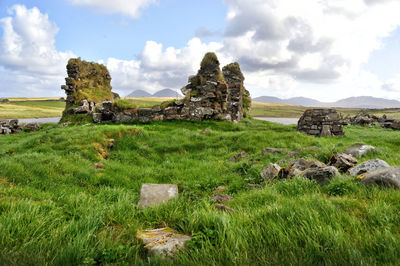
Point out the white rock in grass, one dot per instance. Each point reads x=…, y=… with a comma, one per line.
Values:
x=368, y=166
x=155, y=194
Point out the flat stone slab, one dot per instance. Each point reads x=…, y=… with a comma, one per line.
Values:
x=359, y=150
x=368, y=166
x=163, y=241
x=155, y=194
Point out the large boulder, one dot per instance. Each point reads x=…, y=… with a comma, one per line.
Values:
x=321, y=175
x=368, y=166
x=296, y=167
x=359, y=150
x=154, y=194
x=343, y=161
x=386, y=177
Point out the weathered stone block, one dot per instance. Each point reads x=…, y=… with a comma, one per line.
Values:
x=155, y=194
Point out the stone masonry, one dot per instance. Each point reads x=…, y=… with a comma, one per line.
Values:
x=212, y=94
x=320, y=123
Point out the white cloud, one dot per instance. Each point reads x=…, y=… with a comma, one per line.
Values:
x=131, y=8
x=29, y=59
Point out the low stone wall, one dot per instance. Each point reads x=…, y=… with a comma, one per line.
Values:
x=9, y=127
x=321, y=123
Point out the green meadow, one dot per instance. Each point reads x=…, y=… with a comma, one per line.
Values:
x=57, y=209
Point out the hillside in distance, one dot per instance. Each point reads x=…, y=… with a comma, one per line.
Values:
x=352, y=102
x=161, y=93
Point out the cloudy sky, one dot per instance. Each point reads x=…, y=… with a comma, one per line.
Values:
x=321, y=49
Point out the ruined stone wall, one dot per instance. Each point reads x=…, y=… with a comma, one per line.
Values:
x=321, y=123
x=209, y=95
x=87, y=84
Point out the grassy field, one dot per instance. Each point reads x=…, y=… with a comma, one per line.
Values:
x=31, y=109
x=56, y=209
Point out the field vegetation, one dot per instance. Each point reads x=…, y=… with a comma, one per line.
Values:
x=57, y=209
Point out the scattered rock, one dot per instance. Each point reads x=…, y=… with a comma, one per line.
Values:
x=386, y=177
x=322, y=175
x=235, y=158
x=296, y=167
x=368, y=166
x=321, y=123
x=221, y=198
x=205, y=131
x=224, y=208
x=296, y=152
x=162, y=242
x=273, y=150
x=9, y=127
x=343, y=162
x=359, y=150
x=98, y=166
x=270, y=171
x=31, y=127
x=220, y=189
x=154, y=194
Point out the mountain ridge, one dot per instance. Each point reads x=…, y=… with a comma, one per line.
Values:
x=351, y=102
x=160, y=93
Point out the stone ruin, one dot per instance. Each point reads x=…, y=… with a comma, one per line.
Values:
x=12, y=126
x=212, y=94
x=321, y=123
x=87, y=85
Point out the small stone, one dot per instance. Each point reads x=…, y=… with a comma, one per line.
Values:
x=368, y=166
x=162, y=242
x=154, y=194
x=98, y=166
x=273, y=150
x=359, y=150
x=385, y=177
x=221, y=198
x=220, y=189
x=343, y=162
x=205, y=131
x=270, y=171
x=235, y=158
x=222, y=207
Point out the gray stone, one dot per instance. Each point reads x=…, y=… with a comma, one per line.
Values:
x=326, y=131
x=274, y=150
x=162, y=242
x=343, y=161
x=154, y=194
x=359, y=150
x=296, y=167
x=221, y=198
x=368, y=166
x=96, y=117
x=320, y=123
x=322, y=175
x=386, y=177
x=270, y=171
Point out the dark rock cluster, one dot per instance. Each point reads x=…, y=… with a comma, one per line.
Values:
x=212, y=94
x=4, y=100
x=321, y=123
x=372, y=120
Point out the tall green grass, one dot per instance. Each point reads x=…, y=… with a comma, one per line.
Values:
x=56, y=209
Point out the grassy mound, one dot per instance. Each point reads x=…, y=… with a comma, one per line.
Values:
x=57, y=209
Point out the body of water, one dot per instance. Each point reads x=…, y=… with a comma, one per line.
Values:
x=54, y=120
x=279, y=120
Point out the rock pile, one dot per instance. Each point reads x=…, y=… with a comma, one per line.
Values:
x=372, y=120
x=87, y=84
x=212, y=94
x=12, y=126
x=9, y=127
x=321, y=123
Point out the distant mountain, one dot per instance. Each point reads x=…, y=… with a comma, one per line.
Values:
x=166, y=93
x=161, y=93
x=139, y=93
x=352, y=102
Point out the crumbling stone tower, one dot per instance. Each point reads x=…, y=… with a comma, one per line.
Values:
x=87, y=84
x=234, y=78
